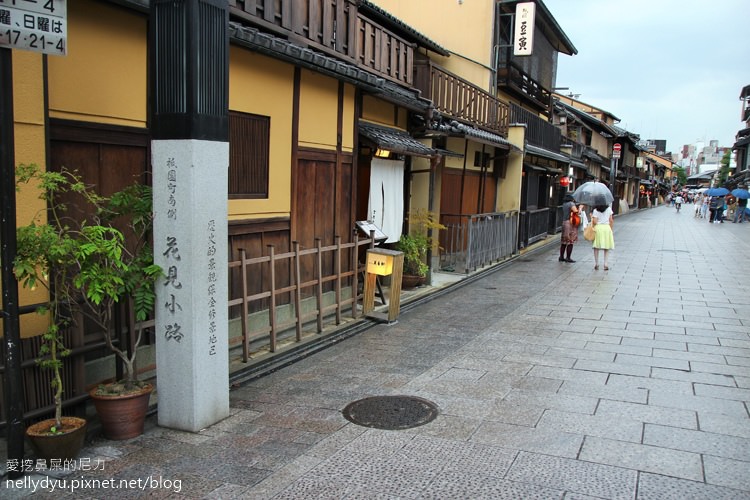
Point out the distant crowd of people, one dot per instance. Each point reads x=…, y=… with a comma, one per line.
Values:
x=716, y=209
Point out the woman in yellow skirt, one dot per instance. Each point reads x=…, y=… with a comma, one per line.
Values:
x=603, y=220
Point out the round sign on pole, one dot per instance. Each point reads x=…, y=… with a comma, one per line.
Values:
x=617, y=146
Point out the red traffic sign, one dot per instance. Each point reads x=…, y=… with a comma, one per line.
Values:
x=616, y=147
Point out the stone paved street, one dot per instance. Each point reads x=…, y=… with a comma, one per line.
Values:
x=552, y=380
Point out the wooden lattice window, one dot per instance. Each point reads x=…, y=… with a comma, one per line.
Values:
x=249, y=144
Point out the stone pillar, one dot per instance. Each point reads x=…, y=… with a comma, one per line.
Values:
x=190, y=160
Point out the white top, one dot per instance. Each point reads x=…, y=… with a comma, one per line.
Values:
x=678, y=199
x=602, y=217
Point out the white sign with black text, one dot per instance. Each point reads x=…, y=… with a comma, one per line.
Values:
x=523, y=37
x=35, y=25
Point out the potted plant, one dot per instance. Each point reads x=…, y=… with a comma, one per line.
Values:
x=46, y=256
x=122, y=404
x=89, y=268
x=415, y=246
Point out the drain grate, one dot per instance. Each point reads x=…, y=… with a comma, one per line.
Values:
x=391, y=412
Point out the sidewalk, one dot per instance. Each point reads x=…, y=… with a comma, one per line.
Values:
x=551, y=380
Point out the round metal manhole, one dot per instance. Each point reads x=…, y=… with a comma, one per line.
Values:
x=391, y=412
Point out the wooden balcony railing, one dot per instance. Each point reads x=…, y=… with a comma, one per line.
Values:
x=383, y=52
x=460, y=99
x=514, y=78
x=335, y=28
x=539, y=131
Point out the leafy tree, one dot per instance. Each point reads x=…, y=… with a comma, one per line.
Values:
x=681, y=175
x=724, y=170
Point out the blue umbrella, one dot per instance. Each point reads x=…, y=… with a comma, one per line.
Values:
x=741, y=193
x=717, y=192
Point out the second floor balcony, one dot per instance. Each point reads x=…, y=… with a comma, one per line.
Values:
x=460, y=99
x=514, y=80
x=539, y=132
x=336, y=28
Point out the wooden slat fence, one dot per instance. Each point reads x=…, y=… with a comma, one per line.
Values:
x=345, y=273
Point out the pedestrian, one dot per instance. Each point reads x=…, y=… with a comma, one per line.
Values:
x=721, y=206
x=698, y=202
x=704, y=206
x=739, y=213
x=713, y=207
x=569, y=231
x=603, y=220
x=731, y=207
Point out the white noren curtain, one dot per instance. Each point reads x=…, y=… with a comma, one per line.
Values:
x=385, y=207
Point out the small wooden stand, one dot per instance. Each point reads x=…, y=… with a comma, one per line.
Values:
x=382, y=262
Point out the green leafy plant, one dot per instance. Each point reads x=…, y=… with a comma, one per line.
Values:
x=418, y=241
x=85, y=263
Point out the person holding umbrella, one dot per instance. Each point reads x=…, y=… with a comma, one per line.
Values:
x=603, y=220
x=598, y=195
x=742, y=195
x=569, y=234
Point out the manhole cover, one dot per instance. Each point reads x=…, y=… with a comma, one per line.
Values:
x=391, y=412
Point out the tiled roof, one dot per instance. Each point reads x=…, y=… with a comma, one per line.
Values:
x=395, y=140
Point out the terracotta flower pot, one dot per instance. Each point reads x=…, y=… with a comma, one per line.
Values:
x=409, y=281
x=64, y=445
x=122, y=417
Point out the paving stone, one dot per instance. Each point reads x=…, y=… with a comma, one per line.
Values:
x=727, y=472
x=737, y=360
x=650, y=383
x=632, y=333
x=653, y=360
x=722, y=424
x=678, y=344
x=561, y=362
x=703, y=442
x=614, y=367
x=643, y=458
x=568, y=403
x=618, y=348
x=719, y=349
x=515, y=414
x=690, y=339
x=574, y=476
x=633, y=395
x=741, y=344
x=452, y=485
x=646, y=413
x=518, y=437
x=652, y=329
x=592, y=425
x=569, y=374
x=452, y=456
x=723, y=392
x=689, y=356
x=717, y=368
x=591, y=338
x=582, y=353
x=657, y=487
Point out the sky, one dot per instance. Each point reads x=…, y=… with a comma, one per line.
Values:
x=668, y=69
